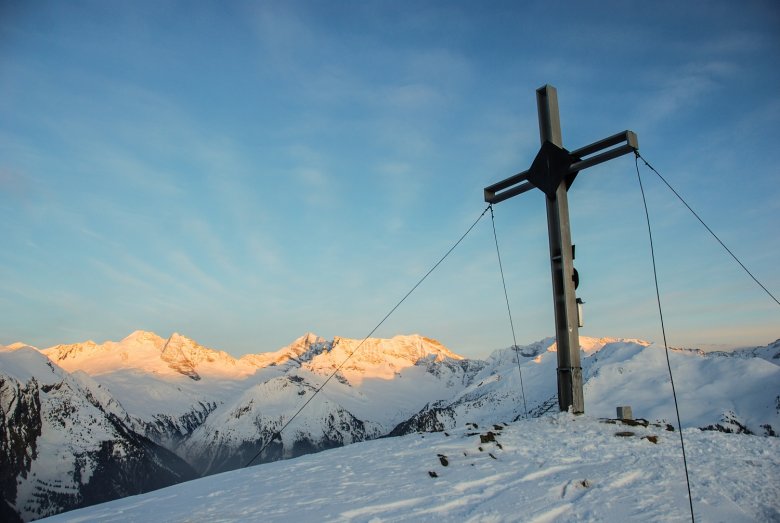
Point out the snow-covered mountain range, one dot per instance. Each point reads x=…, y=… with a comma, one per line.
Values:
x=87, y=422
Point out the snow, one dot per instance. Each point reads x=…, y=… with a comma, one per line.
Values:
x=554, y=468
x=71, y=425
x=17, y=345
x=148, y=352
x=24, y=363
x=136, y=372
x=707, y=387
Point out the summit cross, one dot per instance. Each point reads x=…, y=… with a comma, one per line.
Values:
x=553, y=171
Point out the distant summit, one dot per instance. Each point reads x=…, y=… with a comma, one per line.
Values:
x=146, y=352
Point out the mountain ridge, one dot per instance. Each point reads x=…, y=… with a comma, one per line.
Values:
x=143, y=387
x=183, y=354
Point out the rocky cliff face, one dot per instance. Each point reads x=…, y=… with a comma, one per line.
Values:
x=20, y=428
x=64, y=446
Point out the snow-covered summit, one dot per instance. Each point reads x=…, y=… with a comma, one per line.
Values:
x=302, y=349
x=321, y=355
x=193, y=360
x=147, y=352
x=73, y=350
x=17, y=345
x=411, y=348
x=140, y=337
x=381, y=358
x=24, y=363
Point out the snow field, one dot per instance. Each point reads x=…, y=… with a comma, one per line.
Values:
x=555, y=468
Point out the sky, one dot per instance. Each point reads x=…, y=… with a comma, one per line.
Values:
x=246, y=172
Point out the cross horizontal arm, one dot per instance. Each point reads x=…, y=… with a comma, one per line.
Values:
x=580, y=159
x=631, y=145
x=508, y=182
x=492, y=197
x=626, y=136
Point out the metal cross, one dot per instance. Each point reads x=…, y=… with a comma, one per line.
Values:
x=553, y=171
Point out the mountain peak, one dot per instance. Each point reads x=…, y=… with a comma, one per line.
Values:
x=174, y=354
x=304, y=343
x=303, y=348
x=310, y=338
x=180, y=338
x=19, y=345
x=70, y=350
x=379, y=357
x=142, y=336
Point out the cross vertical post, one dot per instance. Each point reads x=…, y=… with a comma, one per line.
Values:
x=561, y=265
x=553, y=171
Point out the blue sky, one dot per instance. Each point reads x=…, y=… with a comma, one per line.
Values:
x=245, y=172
